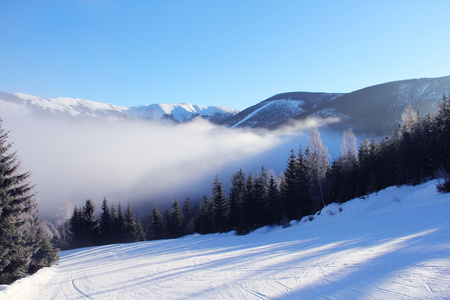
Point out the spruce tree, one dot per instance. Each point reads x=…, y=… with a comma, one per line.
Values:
x=274, y=214
x=106, y=224
x=236, y=194
x=90, y=224
x=130, y=232
x=220, y=206
x=175, y=225
x=188, y=213
x=156, y=227
x=22, y=248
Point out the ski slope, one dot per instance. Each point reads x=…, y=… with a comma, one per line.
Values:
x=391, y=245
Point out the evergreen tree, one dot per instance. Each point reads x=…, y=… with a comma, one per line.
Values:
x=249, y=215
x=21, y=243
x=261, y=198
x=156, y=227
x=236, y=194
x=274, y=204
x=220, y=206
x=106, y=224
x=175, y=226
x=204, y=219
x=130, y=230
x=119, y=225
x=90, y=226
x=76, y=228
x=140, y=233
x=188, y=214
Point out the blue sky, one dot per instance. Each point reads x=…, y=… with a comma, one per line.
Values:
x=232, y=53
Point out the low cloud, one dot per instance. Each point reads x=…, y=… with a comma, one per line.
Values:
x=140, y=162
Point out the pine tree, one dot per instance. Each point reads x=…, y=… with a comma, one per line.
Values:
x=236, y=194
x=156, y=227
x=204, y=218
x=175, y=226
x=106, y=224
x=188, y=213
x=261, y=198
x=274, y=213
x=130, y=232
x=21, y=243
x=220, y=206
x=249, y=212
x=90, y=224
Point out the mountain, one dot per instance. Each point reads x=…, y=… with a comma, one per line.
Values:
x=378, y=109
x=279, y=108
x=390, y=245
x=86, y=109
x=60, y=107
x=180, y=113
x=372, y=110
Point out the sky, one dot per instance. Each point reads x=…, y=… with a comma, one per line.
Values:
x=232, y=53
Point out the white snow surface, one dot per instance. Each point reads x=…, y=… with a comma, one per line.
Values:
x=181, y=112
x=390, y=245
x=70, y=105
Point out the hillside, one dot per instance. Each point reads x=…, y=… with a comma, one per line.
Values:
x=374, y=110
x=74, y=109
x=390, y=245
x=278, y=109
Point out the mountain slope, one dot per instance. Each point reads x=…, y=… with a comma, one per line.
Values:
x=180, y=113
x=390, y=245
x=86, y=109
x=278, y=109
x=60, y=107
x=377, y=109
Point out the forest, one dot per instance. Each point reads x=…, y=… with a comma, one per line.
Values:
x=415, y=152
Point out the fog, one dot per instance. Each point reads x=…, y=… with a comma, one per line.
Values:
x=141, y=162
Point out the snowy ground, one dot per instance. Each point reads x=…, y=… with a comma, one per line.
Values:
x=394, y=245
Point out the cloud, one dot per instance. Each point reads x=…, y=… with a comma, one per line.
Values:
x=140, y=162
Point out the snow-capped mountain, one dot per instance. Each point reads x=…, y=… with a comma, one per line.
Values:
x=279, y=108
x=86, y=109
x=378, y=109
x=372, y=110
x=180, y=113
x=60, y=107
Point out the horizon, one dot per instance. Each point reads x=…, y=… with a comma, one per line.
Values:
x=222, y=53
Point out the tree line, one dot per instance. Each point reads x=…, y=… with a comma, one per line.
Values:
x=417, y=151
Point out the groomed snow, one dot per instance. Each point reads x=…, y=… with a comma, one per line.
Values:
x=393, y=245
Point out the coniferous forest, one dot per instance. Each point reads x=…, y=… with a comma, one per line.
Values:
x=415, y=152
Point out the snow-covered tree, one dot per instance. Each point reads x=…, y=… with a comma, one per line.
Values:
x=23, y=247
x=317, y=165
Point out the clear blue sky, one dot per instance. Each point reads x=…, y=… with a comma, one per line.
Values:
x=231, y=53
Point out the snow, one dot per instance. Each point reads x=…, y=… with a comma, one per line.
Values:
x=70, y=105
x=391, y=245
x=251, y=115
x=181, y=112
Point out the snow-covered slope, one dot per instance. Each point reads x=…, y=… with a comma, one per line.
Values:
x=181, y=112
x=390, y=245
x=279, y=109
x=79, y=108
x=60, y=107
x=377, y=109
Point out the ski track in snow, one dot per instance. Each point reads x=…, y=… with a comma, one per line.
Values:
x=250, y=115
x=393, y=245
